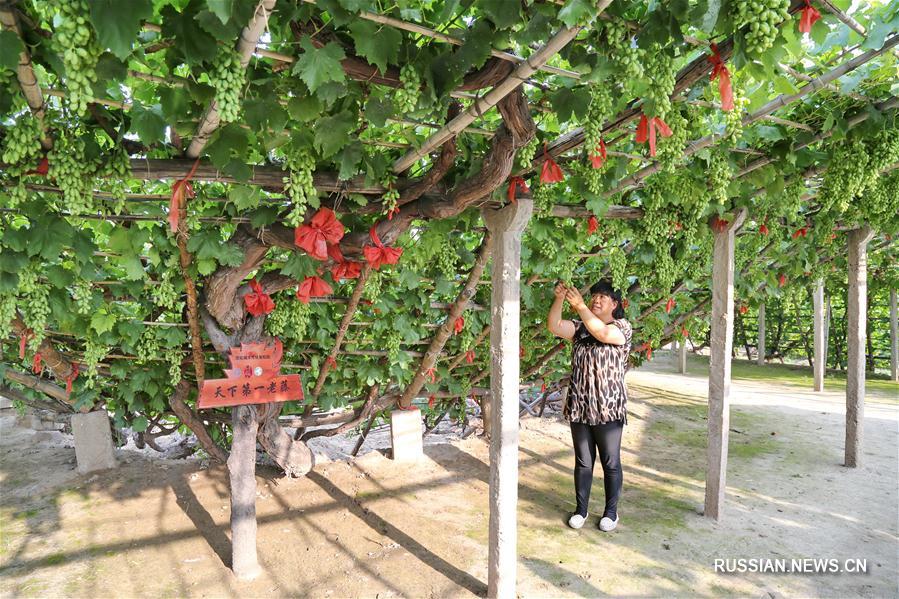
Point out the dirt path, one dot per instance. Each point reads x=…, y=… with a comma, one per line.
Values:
x=373, y=528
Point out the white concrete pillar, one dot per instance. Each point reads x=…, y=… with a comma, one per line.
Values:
x=93, y=441
x=818, y=363
x=405, y=435
x=894, y=338
x=856, y=329
x=760, y=359
x=721, y=335
x=505, y=226
x=682, y=358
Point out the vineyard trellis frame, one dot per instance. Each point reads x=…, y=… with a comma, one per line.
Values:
x=218, y=308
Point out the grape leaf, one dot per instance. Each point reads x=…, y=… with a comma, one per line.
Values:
x=316, y=66
x=221, y=9
x=576, y=11
x=10, y=47
x=379, y=45
x=147, y=123
x=117, y=23
x=333, y=132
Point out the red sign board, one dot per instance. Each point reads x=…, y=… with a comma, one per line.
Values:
x=254, y=377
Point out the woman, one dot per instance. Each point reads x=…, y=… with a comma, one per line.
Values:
x=597, y=398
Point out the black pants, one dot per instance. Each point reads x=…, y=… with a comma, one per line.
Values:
x=586, y=438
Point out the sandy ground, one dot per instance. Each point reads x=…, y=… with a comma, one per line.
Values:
x=369, y=527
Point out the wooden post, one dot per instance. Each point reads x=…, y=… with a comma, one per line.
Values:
x=242, y=472
x=894, y=338
x=856, y=317
x=721, y=337
x=505, y=227
x=682, y=349
x=819, y=361
x=760, y=358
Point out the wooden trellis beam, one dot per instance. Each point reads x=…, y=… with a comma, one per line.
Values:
x=442, y=37
x=524, y=70
x=781, y=101
x=25, y=74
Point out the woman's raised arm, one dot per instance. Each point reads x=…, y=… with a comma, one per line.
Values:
x=554, y=322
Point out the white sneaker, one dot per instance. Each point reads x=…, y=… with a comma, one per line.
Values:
x=607, y=524
x=576, y=521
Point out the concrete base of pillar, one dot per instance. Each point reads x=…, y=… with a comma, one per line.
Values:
x=405, y=435
x=93, y=442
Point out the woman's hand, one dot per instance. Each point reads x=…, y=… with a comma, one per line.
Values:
x=574, y=298
x=560, y=290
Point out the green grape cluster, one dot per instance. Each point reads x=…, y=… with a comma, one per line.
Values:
x=733, y=119
x=526, y=153
x=720, y=174
x=17, y=193
x=72, y=171
x=163, y=292
x=374, y=284
x=34, y=305
x=655, y=222
x=392, y=345
x=94, y=352
x=147, y=346
x=115, y=172
x=549, y=249
x=82, y=294
x=392, y=195
x=618, y=268
x=227, y=78
x=670, y=151
x=790, y=200
x=406, y=97
x=22, y=144
x=447, y=257
x=846, y=175
x=289, y=319
x=881, y=202
x=625, y=56
x=883, y=151
x=7, y=313
x=763, y=18
x=659, y=72
x=299, y=185
x=173, y=357
x=593, y=178
x=75, y=40
x=599, y=111
x=664, y=270
x=543, y=200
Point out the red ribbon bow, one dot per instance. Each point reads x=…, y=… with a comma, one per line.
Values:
x=543, y=387
x=432, y=375
x=23, y=339
x=312, y=287
x=598, y=157
x=684, y=332
x=71, y=378
x=43, y=167
x=809, y=15
x=720, y=71
x=647, y=348
x=324, y=228
x=763, y=229
x=181, y=188
x=669, y=305
x=36, y=363
x=744, y=308
x=258, y=302
x=550, y=173
x=516, y=182
x=459, y=325
x=781, y=280
x=392, y=212
x=800, y=232
x=646, y=130
x=343, y=269
x=592, y=225
x=719, y=225
x=469, y=356
x=431, y=401
x=330, y=363
x=379, y=253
